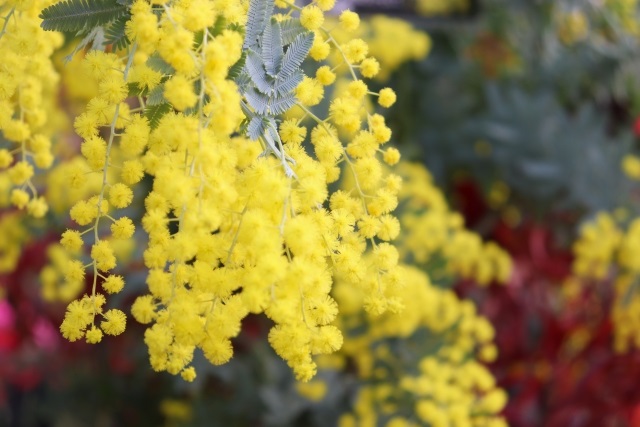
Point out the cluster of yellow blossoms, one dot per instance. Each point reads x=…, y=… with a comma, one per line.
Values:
x=435, y=236
x=441, y=381
x=28, y=97
x=606, y=249
x=577, y=24
x=232, y=230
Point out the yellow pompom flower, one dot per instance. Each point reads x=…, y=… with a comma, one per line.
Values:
x=355, y=50
x=311, y=17
x=320, y=48
x=179, y=92
x=132, y=172
x=102, y=254
x=113, y=89
x=114, y=323
x=326, y=5
x=19, y=198
x=20, y=173
x=325, y=76
x=72, y=241
x=631, y=166
x=5, y=158
x=120, y=195
x=113, y=284
x=94, y=335
x=291, y=133
x=350, y=21
x=309, y=92
x=122, y=228
x=143, y=309
x=391, y=156
x=369, y=67
x=37, y=207
x=387, y=97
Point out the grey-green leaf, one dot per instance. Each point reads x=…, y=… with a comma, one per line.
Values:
x=77, y=15
x=256, y=71
x=282, y=104
x=290, y=29
x=258, y=101
x=255, y=128
x=296, y=53
x=257, y=17
x=272, y=50
x=288, y=84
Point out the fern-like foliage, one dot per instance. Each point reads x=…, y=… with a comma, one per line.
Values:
x=155, y=112
x=81, y=15
x=115, y=34
x=271, y=71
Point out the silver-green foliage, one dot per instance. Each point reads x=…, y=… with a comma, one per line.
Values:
x=274, y=52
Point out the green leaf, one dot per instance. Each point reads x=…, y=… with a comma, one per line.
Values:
x=135, y=90
x=156, y=96
x=115, y=34
x=219, y=26
x=236, y=69
x=155, y=62
x=77, y=15
x=155, y=112
x=272, y=48
x=296, y=53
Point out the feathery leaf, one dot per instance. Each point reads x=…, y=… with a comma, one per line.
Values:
x=115, y=34
x=77, y=15
x=288, y=84
x=256, y=128
x=272, y=48
x=236, y=69
x=256, y=71
x=296, y=53
x=290, y=29
x=258, y=101
x=155, y=112
x=282, y=104
x=259, y=13
x=156, y=96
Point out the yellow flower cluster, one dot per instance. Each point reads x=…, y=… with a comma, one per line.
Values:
x=14, y=235
x=441, y=7
x=595, y=249
x=432, y=232
x=442, y=381
x=606, y=249
x=452, y=387
x=95, y=202
x=626, y=11
x=391, y=43
x=231, y=232
x=572, y=27
x=28, y=83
